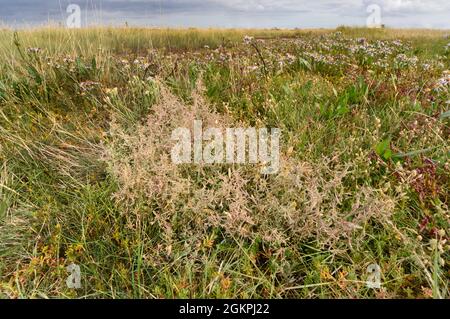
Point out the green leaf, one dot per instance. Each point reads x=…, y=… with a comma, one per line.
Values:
x=414, y=153
x=342, y=109
x=382, y=146
x=34, y=74
x=387, y=155
x=445, y=115
x=383, y=149
x=3, y=209
x=304, y=63
x=94, y=64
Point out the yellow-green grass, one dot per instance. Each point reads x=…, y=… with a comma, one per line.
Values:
x=121, y=40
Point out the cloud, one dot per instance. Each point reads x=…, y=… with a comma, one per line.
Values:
x=290, y=5
x=343, y=6
x=412, y=6
x=234, y=13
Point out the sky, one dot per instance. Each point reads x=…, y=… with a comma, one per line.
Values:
x=230, y=13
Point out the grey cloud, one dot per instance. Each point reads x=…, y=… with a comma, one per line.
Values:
x=231, y=13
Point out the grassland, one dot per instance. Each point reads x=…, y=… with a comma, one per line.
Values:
x=84, y=178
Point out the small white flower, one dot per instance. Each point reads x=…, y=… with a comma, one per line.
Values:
x=34, y=50
x=248, y=39
x=68, y=60
x=88, y=85
x=112, y=92
x=444, y=82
